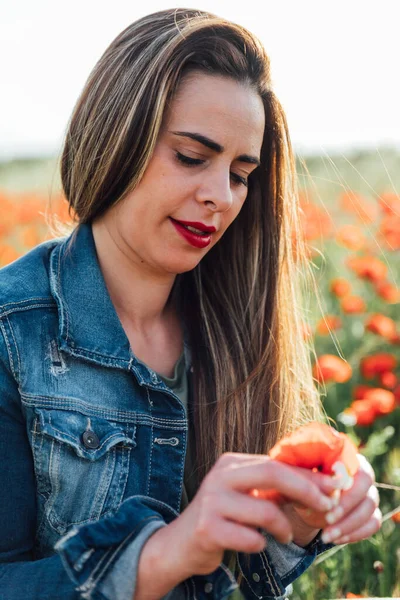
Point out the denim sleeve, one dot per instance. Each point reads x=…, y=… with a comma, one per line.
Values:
x=290, y=560
x=268, y=574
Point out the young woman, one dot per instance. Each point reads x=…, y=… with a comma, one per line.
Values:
x=150, y=360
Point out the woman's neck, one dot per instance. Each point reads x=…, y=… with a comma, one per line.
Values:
x=139, y=295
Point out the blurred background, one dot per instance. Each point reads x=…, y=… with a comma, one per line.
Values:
x=334, y=67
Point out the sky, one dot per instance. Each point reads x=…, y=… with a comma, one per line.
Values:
x=334, y=64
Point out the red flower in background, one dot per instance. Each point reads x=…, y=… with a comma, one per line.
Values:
x=388, y=379
x=340, y=287
x=375, y=403
x=389, y=203
x=396, y=517
x=368, y=267
x=327, y=324
x=351, y=236
x=371, y=366
x=381, y=325
x=389, y=230
x=331, y=368
x=388, y=292
x=356, y=204
x=359, y=391
x=316, y=223
x=352, y=305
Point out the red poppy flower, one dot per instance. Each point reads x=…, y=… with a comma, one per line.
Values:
x=396, y=517
x=362, y=412
x=371, y=366
x=327, y=324
x=388, y=292
x=388, y=379
x=315, y=446
x=331, y=368
x=383, y=400
x=359, y=391
x=353, y=305
x=396, y=393
x=381, y=325
x=351, y=236
x=354, y=203
x=368, y=267
x=340, y=287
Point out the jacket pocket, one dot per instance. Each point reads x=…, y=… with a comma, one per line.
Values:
x=81, y=464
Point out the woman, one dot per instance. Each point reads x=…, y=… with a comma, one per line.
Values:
x=151, y=359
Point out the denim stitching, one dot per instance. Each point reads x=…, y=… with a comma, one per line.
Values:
x=75, y=404
x=22, y=301
x=53, y=491
x=10, y=359
x=21, y=309
x=103, y=487
x=16, y=346
x=270, y=574
x=151, y=446
x=123, y=476
x=248, y=583
x=72, y=438
x=80, y=563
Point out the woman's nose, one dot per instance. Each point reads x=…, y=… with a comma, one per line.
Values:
x=215, y=191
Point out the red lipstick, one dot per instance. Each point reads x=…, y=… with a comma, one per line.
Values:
x=198, y=240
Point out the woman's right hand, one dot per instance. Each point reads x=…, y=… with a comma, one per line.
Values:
x=223, y=515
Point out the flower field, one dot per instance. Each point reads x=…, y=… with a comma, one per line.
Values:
x=351, y=221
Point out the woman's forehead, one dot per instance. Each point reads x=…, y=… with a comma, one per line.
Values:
x=218, y=106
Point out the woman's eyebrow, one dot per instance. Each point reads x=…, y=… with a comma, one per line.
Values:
x=202, y=139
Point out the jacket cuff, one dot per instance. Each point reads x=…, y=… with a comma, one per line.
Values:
x=91, y=553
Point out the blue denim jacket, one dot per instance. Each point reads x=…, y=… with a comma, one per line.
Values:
x=92, y=445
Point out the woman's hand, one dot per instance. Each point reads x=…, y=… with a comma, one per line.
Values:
x=357, y=515
x=223, y=515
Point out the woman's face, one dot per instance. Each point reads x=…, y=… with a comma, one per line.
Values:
x=209, y=144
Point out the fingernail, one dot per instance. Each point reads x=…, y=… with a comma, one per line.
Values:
x=335, y=515
x=342, y=540
x=328, y=536
x=326, y=503
x=335, y=497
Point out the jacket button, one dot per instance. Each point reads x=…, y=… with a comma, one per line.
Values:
x=91, y=440
x=256, y=577
x=208, y=587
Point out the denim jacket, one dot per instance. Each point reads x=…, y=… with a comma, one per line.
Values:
x=92, y=445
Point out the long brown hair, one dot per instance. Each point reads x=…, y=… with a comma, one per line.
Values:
x=242, y=305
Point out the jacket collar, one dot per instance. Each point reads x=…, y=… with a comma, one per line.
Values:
x=89, y=326
x=88, y=323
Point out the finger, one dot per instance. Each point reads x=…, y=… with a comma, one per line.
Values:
x=356, y=518
x=369, y=528
x=326, y=483
x=257, y=513
x=352, y=497
x=271, y=474
x=235, y=536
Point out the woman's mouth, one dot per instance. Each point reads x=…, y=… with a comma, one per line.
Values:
x=199, y=236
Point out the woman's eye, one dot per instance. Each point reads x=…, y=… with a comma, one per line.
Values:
x=187, y=160
x=238, y=180
x=193, y=162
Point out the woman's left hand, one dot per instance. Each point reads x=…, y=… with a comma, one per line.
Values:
x=357, y=515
